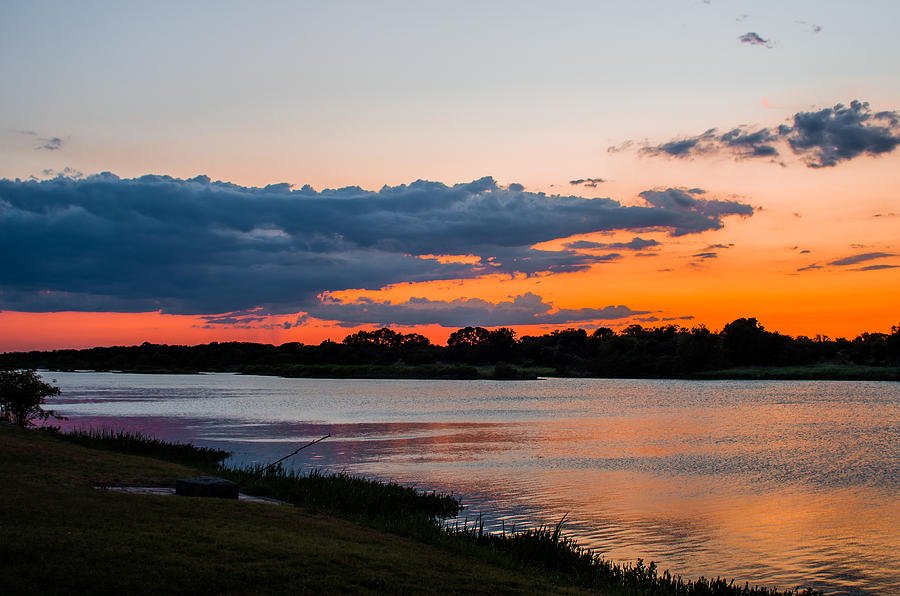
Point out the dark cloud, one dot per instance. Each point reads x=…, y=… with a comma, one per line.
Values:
x=855, y=259
x=876, y=267
x=740, y=142
x=195, y=246
x=719, y=246
x=754, y=39
x=525, y=309
x=822, y=138
x=516, y=187
x=885, y=215
x=50, y=144
x=633, y=244
x=706, y=255
x=590, y=182
x=811, y=267
x=675, y=200
x=841, y=133
x=655, y=319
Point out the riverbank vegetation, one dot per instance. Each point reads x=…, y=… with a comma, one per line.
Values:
x=342, y=534
x=742, y=349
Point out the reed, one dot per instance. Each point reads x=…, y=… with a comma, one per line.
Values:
x=136, y=443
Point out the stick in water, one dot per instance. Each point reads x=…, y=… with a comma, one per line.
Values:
x=275, y=463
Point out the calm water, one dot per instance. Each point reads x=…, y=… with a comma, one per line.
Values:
x=773, y=483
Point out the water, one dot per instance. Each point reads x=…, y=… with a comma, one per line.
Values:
x=772, y=483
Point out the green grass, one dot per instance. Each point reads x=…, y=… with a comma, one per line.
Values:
x=387, y=534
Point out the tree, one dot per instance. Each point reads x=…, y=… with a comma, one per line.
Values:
x=22, y=393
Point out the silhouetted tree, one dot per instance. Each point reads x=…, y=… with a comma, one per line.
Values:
x=22, y=393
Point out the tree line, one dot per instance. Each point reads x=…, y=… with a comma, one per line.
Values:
x=634, y=351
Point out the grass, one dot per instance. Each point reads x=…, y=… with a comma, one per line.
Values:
x=137, y=443
x=391, y=539
x=61, y=536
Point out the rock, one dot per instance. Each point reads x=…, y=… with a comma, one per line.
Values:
x=206, y=486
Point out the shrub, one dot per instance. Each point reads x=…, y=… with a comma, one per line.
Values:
x=22, y=393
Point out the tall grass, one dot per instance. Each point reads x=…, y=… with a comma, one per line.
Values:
x=342, y=493
x=547, y=549
x=136, y=443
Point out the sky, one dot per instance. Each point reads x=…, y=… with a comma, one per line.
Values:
x=295, y=171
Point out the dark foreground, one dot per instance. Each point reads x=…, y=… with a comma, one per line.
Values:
x=61, y=535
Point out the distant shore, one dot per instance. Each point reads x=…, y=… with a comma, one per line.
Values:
x=817, y=372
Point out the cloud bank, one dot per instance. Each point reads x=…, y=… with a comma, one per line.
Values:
x=103, y=243
x=525, y=309
x=821, y=139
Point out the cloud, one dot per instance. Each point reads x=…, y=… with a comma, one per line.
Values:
x=49, y=144
x=157, y=243
x=635, y=243
x=591, y=182
x=754, y=39
x=525, y=309
x=623, y=146
x=810, y=27
x=821, y=139
x=829, y=136
x=676, y=199
x=876, y=267
x=855, y=259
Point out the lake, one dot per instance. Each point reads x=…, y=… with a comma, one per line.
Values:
x=776, y=483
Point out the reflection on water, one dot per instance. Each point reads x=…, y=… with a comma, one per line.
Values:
x=774, y=483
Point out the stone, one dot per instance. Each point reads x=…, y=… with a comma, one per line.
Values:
x=206, y=486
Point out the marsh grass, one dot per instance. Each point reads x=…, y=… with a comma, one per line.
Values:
x=136, y=443
x=342, y=493
x=563, y=559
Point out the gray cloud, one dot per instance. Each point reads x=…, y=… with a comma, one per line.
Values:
x=810, y=267
x=822, y=138
x=525, y=309
x=49, y=144
x=590, y=182
x=635, y=243
x=876, y=267
x=842, y=133
x=855, y=259
x=102, y=243
x=754, y=39
x=675, y=199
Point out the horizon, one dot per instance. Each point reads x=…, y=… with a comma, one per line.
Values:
x=300, y=172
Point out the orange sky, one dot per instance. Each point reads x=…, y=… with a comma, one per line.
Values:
x=312, y=94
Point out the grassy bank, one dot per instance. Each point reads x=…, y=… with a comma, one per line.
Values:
x=60, y=535
x=817, y=372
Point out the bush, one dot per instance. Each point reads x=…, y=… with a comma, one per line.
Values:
x=22, y=393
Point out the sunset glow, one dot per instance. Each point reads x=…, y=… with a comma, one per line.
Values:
x=534, y=167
